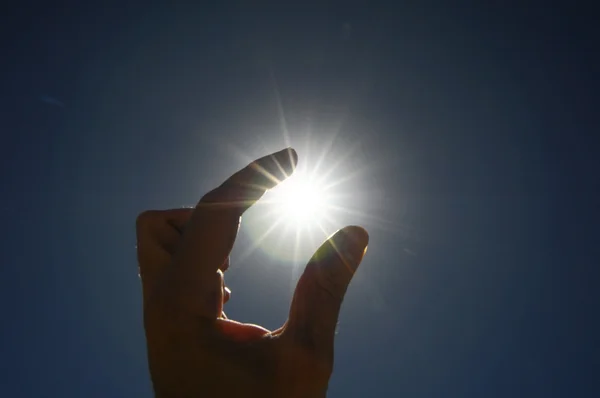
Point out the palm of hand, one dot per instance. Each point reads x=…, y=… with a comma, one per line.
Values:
x=193, y=349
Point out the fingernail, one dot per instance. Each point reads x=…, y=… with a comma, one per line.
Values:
x=349, y=243
x=287, y=159
x=290, y=153
x=227, y=290
x=352, y=244
x=293, y=156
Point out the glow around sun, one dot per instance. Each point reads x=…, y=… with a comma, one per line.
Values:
x=294, y=218
x=322, y=195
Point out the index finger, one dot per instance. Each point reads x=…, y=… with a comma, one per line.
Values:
x=210, y=234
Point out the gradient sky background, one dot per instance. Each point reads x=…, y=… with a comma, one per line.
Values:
x=475, y=136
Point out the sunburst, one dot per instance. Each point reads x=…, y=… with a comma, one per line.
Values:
x=292, y=219
x=320, y=197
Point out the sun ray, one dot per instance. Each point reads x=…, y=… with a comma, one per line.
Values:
x=283, y=235
x=281, y=169
x=268, y=213
x=337, y=249
x=297, y=246
x=320, y=225
x=244, y=255
x=264, y=172
x=378, y=222
x=326, y=151
x=346, y=178
x=329, y=219
x=280, y=112
x=251, y=161
x=304, y=209
x=340, y=161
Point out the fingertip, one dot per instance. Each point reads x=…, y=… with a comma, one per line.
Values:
x=293, y=156
x=286, y=160
x=321, y=289
x=355, y=234
x=350, y=243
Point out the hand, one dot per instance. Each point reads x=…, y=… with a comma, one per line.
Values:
x=193, y=349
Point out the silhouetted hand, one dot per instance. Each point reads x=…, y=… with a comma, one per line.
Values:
x=193, y=349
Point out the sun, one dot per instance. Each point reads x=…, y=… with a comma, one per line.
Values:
x=292, y=219
x=295, y=217
x=300, y=201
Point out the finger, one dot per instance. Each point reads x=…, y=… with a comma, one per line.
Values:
x=318, y=297
x=210, y=234
x=158, y=234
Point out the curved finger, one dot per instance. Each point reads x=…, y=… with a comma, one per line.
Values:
x=318, y=297
x=210, y=234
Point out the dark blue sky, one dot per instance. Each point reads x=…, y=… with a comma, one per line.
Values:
x=477, y=135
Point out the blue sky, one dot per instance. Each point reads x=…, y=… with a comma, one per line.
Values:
x=473, y=130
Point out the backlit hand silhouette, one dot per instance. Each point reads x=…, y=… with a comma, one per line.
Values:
x=193, y=349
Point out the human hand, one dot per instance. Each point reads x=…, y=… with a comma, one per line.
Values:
x=193, y=349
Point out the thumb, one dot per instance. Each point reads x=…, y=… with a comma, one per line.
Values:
x=318, y=297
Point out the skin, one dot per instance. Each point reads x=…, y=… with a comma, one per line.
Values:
x=193, y=349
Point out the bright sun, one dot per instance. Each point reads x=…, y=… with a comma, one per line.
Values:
x=296, y=216
x=300, y=201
